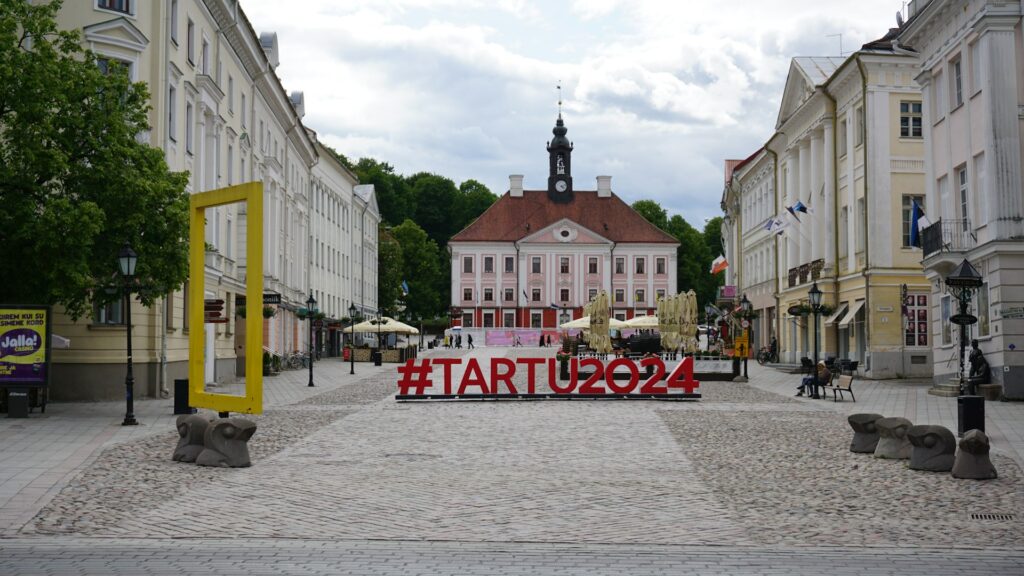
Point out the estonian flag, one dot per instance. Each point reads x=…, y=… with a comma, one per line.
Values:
x=801, y=207
x=792, y=212
x=918, y=222
x=405, y=288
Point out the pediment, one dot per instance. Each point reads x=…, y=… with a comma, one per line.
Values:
x=565, y=231
x=117, y=32
x=798, y=89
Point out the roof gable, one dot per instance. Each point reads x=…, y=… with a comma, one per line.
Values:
x=117, y=32
x=805, y=74
x=565, y=231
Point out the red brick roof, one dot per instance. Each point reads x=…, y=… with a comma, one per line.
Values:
x=511, y=219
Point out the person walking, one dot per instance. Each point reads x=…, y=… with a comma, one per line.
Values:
x=469, y=341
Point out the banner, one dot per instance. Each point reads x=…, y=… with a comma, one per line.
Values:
x=24, y=346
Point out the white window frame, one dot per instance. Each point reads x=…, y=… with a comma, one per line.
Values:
x=467, y=264
x=189, y=120
x=190, y=38
x=172, y=113
x=129, y=4
x=174, y=22
x=956, y=83
x=913, y=112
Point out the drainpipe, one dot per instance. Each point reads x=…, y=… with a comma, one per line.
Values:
x=775, y=244
x=515, y=243
x=867, y=205
x=835, y=204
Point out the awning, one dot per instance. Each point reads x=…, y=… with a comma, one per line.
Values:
x=838, y=313
x=851, y=314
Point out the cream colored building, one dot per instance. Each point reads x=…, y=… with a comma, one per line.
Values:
x=848, y=145
x=220, y=113
x=970, y=66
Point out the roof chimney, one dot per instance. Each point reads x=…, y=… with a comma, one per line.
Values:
x=604, y=186
x=515, y=185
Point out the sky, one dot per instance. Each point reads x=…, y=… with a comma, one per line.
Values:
x=656, y=94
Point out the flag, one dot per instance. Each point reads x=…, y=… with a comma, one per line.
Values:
x=918, y=222
x=554, y=306
x=792, y=212
x=405, y=288
x=718, y=265
x=526, y=296
x=801, y=207
x=780, y=226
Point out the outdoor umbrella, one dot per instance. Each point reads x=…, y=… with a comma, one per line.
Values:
x=584, y=323
x=385, y=325
x=641, y=322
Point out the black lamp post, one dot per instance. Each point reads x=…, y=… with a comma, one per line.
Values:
x=746, y=306
x=126, y=260
x=352, y=340
x=311, y=313
x=961, y=283
x=380, y=353
x=814, y=295
x=707, y=327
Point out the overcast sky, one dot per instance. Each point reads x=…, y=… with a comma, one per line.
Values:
x=656, y=94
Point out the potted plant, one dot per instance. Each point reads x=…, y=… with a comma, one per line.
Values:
x=269, y=311
x=563, y=363
x=267, y=363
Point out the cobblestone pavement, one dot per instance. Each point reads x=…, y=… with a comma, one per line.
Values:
x=346, y=476
x=245, y=557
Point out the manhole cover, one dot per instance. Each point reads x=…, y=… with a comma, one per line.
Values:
x=992, y=517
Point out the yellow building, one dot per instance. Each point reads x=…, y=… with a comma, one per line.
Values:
x=848, y=162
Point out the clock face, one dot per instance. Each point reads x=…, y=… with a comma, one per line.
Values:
x=561, y=185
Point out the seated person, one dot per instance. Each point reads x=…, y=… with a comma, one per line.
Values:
x=810, y=383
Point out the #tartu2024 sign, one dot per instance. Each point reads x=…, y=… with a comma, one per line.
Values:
x=24, y=345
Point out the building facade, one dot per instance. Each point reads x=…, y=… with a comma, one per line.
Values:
x=969, y=60
x=220, y=113
x=536, y=257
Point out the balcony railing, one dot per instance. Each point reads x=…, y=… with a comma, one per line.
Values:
x=948, y=235
x=794, y=274
x=816, y=267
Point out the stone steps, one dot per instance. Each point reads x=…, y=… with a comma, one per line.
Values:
x=950, y=389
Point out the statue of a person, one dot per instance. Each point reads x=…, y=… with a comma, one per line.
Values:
x=979, y=373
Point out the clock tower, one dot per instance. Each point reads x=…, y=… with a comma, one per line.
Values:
x=560, y=160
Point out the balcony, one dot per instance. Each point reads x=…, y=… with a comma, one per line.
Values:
x=948, y=235
x=794, y=274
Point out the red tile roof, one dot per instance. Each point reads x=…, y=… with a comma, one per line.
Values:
x=511, y=219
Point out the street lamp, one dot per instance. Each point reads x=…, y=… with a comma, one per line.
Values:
x=310, y=313
x=961, y=283
x=380, y=356
x=707, y=327
x=126, y=260
x=814, y=295
x=746, y=306
x=352, y=340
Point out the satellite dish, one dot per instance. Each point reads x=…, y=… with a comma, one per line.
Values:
x=899, y=19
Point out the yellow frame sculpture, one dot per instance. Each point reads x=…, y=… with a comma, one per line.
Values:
x=252, y=403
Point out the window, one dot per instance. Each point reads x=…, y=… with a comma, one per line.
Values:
x=938, y=97
x=975, y=67
x=123, y=6
x=536, y=320
x=947, y=326
x=956, y=84
x=592, y=266
x=263, y=142
x=509, y=294
x=231, y=165
x=535, y=263
x=660, y=293
x=659, y=266
x=467, y=265
x=640, y=296
x=174, y=21
x=205, y=55
x=169, y=310
x=563, y=265
x=915, y=307
x=488, y=320
x=111, y=313
x=229, y=250
x=172, y=113
x=859, y=136
x=620, y=265
x=231, y=94
x=982, y=310
x=510, y=265
x=190, y=39
x=488, y=294
x=184, y=307
x=620, y=295
x=843, y=135
x=908, y=214
x=488, y=265
x=188, y=128
x=564, y=294
x=467, y=294
x=467, y=319
x=979, y=191
x=861, y=224
x=961, y=175
x=509, y=320
x=910, y=120
x=640, y=264
x=243, y=110
x=591, y=294
x=535, y=295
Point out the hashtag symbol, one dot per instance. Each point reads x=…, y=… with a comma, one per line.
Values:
x=415, y=379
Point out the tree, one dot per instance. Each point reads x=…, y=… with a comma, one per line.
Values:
x=420, y=257
x=474, y=200
x=390, y=270
x=390, y=188
x=653, y=212
x=436, y=198
x=76, y=183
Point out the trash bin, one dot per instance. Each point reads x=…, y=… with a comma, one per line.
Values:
x=181, y=398
x=17, y=402
x=971, y=413
x=377, y=358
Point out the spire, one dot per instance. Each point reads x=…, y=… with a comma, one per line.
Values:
x=559, y=87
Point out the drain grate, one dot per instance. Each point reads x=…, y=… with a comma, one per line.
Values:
x=992, y=517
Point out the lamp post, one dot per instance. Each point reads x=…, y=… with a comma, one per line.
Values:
x=380, y=354
x=707, y=328
x=126, y=260
x=746, y=306
x=814, y=295
x=961, y=283
x=352, y=340
x=311, y=313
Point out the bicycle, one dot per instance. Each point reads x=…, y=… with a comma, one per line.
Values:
x=766, y=355
x=297, y=360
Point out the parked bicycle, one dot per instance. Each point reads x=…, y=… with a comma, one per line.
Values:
x=766, y=355
x=297, y=360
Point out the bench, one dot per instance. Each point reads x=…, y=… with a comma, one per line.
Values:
x=840, y=383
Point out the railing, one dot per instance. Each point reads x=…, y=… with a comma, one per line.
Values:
x=816, y=267
x=794, y=274
x=805, y=271
x=948, y=235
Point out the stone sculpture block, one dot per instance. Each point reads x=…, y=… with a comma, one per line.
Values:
x=227, y=443
x=892, y=438
x=192, y=429
x=934, y=448
x=972, y=460
x=865, y=433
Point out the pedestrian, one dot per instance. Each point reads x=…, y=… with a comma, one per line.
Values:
x=810, y=384
x=458, y=341
x=469, y=341
x=518, y=343
x=542, y=340
x=549, y=340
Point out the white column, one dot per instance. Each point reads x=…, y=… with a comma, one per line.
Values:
x=792, y=236
x=815, y=220
x=803, y=195
x=1002, y=128
x=827, y=211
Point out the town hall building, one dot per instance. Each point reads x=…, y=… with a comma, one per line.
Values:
x=536, y=257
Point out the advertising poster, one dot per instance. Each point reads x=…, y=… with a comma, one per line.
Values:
x=24, y=345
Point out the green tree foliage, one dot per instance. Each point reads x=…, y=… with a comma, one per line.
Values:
x=421, y=269
x=653, y=212
x=474, y=200
x=75, y=182
x=437, y=206
x=390, y=268
x=390, y=188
